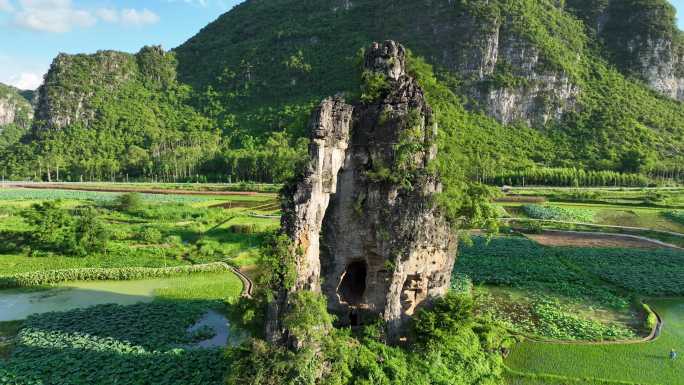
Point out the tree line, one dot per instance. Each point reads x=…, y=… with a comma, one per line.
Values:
x=568, y=177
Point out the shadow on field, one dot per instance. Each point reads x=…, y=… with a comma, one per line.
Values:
x=117, y=344
x=14, y=241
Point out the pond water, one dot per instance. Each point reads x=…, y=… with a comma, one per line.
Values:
x=18, y=304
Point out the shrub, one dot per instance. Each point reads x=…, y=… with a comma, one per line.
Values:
x=243, y=229
x=129, y=203
x=52, y=226
x=91, y=235
x=651, y=318
x=150, y=235
x=56, y=229
x=676, y=216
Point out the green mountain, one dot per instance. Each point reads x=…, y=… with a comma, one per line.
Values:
x=16, y=113
x=559, y=83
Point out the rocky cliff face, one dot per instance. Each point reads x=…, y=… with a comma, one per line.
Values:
x=537, y=95
x=367, y=195
x=14, y=108
x=641, y=38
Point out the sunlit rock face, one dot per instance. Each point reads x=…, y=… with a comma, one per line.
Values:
x=374, y=244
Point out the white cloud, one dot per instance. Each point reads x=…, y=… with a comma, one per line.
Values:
x=138, y=18
x=6, y=6
x=55, y=16
x=59, y=16
x=26, y=81
x=108, y=15
x=128, y=16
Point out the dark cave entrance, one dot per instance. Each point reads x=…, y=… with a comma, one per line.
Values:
x=353, y=285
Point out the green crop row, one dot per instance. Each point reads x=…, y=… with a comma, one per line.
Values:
x=97, y=196
x=40, y=278
x=553, y=213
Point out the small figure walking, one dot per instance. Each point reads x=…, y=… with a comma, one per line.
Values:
x=673, y=355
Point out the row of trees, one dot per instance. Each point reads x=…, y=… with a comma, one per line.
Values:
x=568, y=177
x=204, y=157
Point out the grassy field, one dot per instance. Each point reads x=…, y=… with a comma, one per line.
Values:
x=645, y=363
x=167, y=230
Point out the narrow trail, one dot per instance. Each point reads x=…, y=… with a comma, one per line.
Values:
x=247, y=284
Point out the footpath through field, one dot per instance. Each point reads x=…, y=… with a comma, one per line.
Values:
x=643, y=363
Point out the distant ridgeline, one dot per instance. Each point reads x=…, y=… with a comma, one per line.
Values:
x=516, y=84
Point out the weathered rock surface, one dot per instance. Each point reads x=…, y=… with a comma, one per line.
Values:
x=640, y=39
x=14, y=108
x=384, y=247
x=330, y=129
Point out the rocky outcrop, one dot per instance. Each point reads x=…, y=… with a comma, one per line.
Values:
x=14, y=108
x=661, y=66
x=641, y=39
x=330, y=128
x=536, y=97
x=76, y=86
x=368, y=196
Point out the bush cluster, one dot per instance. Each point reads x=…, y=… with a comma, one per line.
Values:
x=77, y=233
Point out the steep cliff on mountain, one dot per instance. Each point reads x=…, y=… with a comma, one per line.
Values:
x=16, y=114
x=14, y=107
x=640, y=37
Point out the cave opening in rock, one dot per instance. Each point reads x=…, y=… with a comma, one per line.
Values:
x=353, y=285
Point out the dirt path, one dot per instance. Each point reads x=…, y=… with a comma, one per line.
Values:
x=590, y=239
x=248, y=285
x=56, y=186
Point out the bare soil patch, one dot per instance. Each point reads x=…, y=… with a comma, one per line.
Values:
x=552, y=238
x=521, y=199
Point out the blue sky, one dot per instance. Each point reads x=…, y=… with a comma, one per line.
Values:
x=33, y=32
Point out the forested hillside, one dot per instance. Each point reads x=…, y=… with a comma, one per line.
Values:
x=521, y=83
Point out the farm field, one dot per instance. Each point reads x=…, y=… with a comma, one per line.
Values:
x=249, y=188
x=584, y=292
x=643, y=363
x=168, y=254
x=165, y=230
x=582, y=295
